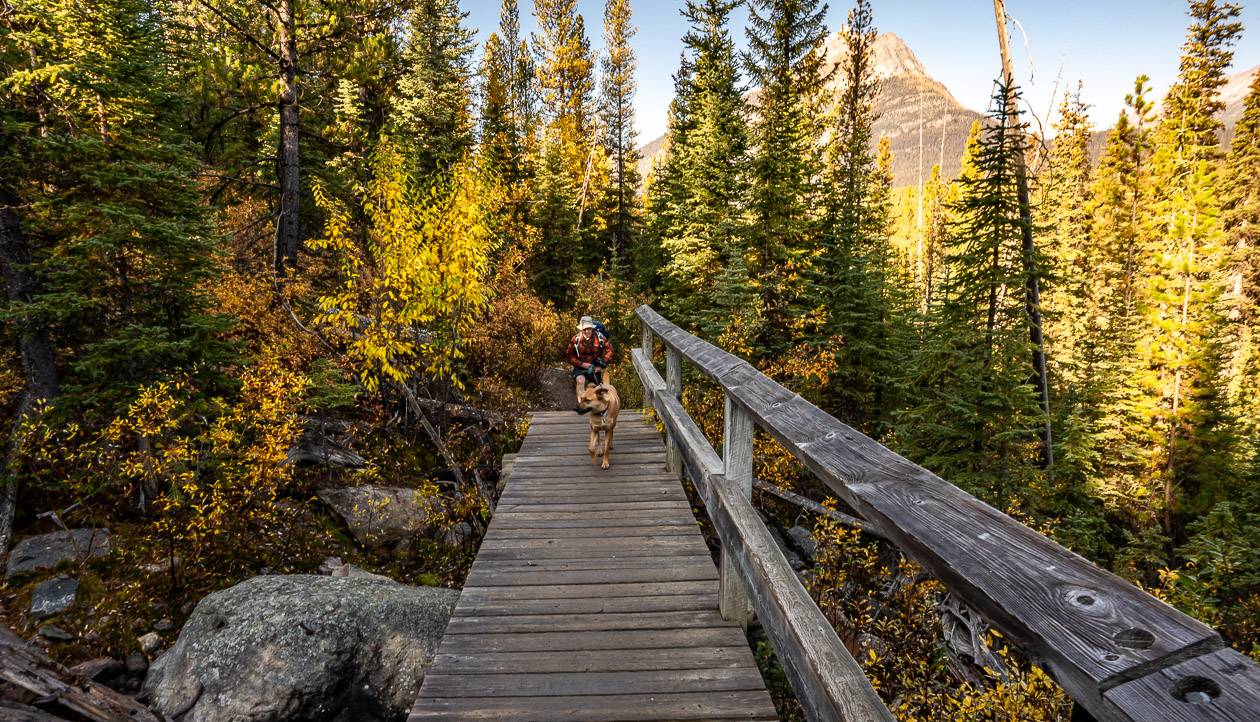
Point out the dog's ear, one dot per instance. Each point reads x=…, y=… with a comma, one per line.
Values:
x=602, y=392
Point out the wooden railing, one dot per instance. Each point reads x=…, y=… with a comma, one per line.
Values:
x=1119, y=652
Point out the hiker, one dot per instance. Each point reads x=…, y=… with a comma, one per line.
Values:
x=589, y=352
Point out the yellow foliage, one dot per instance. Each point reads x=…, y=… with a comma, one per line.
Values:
x=414, y=280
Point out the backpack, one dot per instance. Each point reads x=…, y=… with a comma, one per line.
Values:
x=600, y=329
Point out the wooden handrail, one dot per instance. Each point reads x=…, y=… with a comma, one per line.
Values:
x=1119, y=652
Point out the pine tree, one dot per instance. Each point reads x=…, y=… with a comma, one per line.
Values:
x=663, y=189
x=569, y=171
x=1117, y=265
x=122, y=270
x=972, y=415
x=1240, y=202
x=433, y=106
x=856, y=270
x=1073, y=298
x=617, y=126
x=785, y=59
x=1185, y=425
x=706, y=246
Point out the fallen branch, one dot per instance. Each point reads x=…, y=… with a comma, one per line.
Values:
x=32, y=681
x=462, y=413
x=417, y=408
x=813, y=506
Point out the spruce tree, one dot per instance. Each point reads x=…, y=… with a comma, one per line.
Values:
x=705, y=247
x=122, y=268
x=663, y=188
x=971, y=415
x=569, y=171
x=785, y=60
x=433, y=107
x=1185, y=424
x=621, y=208
x=856, y=273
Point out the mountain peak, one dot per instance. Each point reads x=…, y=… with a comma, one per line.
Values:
x=892, y=56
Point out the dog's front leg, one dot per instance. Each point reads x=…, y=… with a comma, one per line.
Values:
x=591, y=447
x=607, y=446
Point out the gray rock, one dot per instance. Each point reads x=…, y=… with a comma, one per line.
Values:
x=48, y=550
x=137, y=663
x=793, y=559
x=55, y=634
x=323, y=442
x=803, y=540
x=329, y=565
x=459, y=534
x=53, y=596
x=380, y=514
x=150, y=643
x=302, y=647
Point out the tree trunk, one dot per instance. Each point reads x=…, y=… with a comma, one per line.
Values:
x=35, y=349
x=288, y=230
x=1032, y=285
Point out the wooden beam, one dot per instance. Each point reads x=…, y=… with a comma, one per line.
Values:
x=737, y=459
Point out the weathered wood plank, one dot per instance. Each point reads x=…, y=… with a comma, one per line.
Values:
x=1218, y=686
x=595, y=561
x=603, y=622
x=609, y=591
x=585, y=683
x=590, y=605
x=548, y=577
x=742, y=705
x=567, y=641
x=613, y=660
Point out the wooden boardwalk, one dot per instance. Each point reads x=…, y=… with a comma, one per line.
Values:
x=593, y=596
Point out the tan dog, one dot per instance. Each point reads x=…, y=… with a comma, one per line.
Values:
x=603, y=404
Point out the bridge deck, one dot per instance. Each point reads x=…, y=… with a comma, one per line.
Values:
x=593, y=597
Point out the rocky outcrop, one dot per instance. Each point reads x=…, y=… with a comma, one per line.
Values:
x=302, y=647
x=379, y=514
x=48, y=550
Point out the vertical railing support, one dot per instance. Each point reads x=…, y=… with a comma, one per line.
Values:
x=737, y=457
x=673, y=387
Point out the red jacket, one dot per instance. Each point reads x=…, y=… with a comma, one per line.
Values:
x=595, y=350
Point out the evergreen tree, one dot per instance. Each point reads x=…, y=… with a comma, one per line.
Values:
x=664, y=190
x=856, y=269
x=569, y=171
x=1073, y=298
x=705, y=247
x=1184, y=422
x=1240, y=201
x=122, y=270
x=785, y=59
x=621, y=209
x=433, y=105
x=1117, y=265
x=972, y=416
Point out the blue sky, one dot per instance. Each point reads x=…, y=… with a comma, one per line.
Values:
x=1105, y=44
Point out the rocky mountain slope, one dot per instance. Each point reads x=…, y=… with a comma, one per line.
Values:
x=911, y=99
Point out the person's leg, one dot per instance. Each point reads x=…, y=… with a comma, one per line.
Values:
x=580, y=385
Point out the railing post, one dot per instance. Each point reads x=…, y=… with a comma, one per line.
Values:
x=673, y=387
x=646, y=333
x=737, y=458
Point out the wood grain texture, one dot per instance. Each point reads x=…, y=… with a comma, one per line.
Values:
x=593, y=596
x=1092, y=630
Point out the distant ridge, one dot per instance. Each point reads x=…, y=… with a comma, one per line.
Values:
x=907, y=89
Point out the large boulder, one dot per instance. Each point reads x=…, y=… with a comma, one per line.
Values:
x=302, y=647
x=380, y=514
x=48, y=550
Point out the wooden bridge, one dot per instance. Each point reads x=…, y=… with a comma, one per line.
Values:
x=593, y=596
